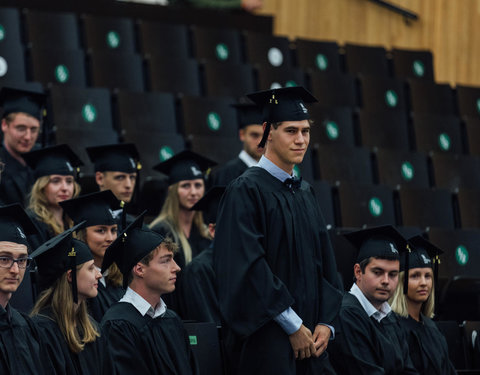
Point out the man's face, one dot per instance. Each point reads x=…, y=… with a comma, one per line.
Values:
x=10, y=278
x=121, y=184
x=379, y=281
x=251, y=136
x=161, y=273
x=21, y=133
x=288, y=143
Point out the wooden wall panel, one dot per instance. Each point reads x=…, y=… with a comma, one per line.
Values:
x=449, y=28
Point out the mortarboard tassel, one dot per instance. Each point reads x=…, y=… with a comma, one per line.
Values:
x=407, y=267
x=73, y=267
x=124, y=216
x=436, y=262
x=265, y=135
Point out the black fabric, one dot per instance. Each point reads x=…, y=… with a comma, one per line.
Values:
x=428, y=347
x=272, y=251
x=16, y=180
x=227, y=172
x=21, y=348
x=15, y=100
x=45, y=232
x=91, y=360
x=15, y=224
x=141, y=345
x=364, y=346
x=106, y=297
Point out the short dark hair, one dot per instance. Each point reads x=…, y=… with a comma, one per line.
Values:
x=364, y=263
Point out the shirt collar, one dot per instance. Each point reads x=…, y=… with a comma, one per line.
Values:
x=102, y=279
x=273, y=169
x=371, y=311
x=143, y=307
x=247, y=159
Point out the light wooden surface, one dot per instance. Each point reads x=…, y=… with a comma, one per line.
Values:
x=449, y=28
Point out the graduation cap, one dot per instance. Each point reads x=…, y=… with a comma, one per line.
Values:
x=60, y=254
x=248, y=114
x=26, y=101
x=209, y=204
x=15, y=224
x=186, y=165
x=131, y=246
x=284, y=104
x=120, y=157
x=58, y=159
x=100, y=208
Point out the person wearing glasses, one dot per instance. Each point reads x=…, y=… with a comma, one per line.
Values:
x=21, y=346
x=21, y=121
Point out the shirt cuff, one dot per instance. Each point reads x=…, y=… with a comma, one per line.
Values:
x=332, y=336
x=289, y=321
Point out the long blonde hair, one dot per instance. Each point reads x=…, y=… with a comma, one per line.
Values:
x=39, y=205
x=114, y=276
x=170, y=216
x=399, y=302
x=72, y=322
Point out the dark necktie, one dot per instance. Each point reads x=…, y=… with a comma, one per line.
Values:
x=293, y=183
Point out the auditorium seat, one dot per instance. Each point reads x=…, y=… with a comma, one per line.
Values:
x=456, y=342
x=109, y=33
x=141, y=111
x=469, y=207
x=12, y=64
x=174, y=75
x=315, y=55
x=365, y=205
x=472, y=336
x=305, y=168
x=340, y=163
x=453, y=171
x=117, y=70
x=267, y=49
x=402, y=168
x=59, y=66
x=270, y=77
x=331, y=125
x=323, y=193
x=384, y=129
x=228, y=79
x=345, y=255
x=223, y=45
x=468, y=100
x=212, y=117
x=472, y=135
x=426, y=207
x=220, y=149
x=334, y=90
x=47, y=29
x=438, y=133
x=366, y=60
x=380, y=94
x=430, y=97
x=11, y=27
x=415, y=64
x=164, y=39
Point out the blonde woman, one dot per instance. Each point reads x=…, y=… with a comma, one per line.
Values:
x=415, y=306
x=69, y=276
x=55, y=169
x=101, y=211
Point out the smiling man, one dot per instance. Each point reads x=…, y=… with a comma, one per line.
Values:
x=371, y=339
x=274, y=264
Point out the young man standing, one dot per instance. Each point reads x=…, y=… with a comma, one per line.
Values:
x=21, y=121
x=371, y=340
x=275, y=268
x=143, y=335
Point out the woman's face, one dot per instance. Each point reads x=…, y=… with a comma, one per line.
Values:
x=87, y=281
x=420, y=281
x=190, y=192
x=59, y=189
x=98, y=238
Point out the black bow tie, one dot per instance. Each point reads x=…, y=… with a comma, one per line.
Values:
x=293, y=183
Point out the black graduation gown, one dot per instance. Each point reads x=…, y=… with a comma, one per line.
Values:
x=16, y=179
x=21, y=349
x=428, y=347
x=197, y=298
x=106, y=297
x=228, y=172
x=141, y=345
x=44, y=231
x=92, y=360
x=272, y=251
x=365, y=346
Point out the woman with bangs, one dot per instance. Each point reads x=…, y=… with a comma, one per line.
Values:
x=414, y=302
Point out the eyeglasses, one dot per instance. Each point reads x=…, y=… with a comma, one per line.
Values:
x=7, y=262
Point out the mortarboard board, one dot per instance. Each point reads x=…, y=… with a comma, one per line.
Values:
x=284, y=104
x=209, y=204
x=60, y=254
x=58, y=159
x=15, y=224
x=186, y=165
x=25, y=101
x=131, y=246
x=248, y=114
x=120, y=157
x=100, y=208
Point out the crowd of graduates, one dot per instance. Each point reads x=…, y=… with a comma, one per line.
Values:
x=86, y=288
